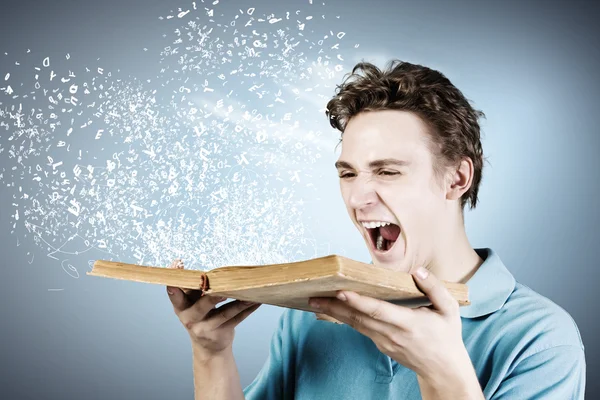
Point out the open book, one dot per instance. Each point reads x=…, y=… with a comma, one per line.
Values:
x=287, y=285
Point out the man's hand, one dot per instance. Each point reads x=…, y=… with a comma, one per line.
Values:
x=211, y=329
x=427, y=340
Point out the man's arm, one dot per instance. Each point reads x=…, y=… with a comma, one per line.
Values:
x=271, y=381
x=216, y=378
x=211, y=331
x=554, y=373
x=460, y=383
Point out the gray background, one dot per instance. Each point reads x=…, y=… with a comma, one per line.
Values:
x=531, y=66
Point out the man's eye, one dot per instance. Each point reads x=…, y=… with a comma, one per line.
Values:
x=346, y=175
x=389, y=173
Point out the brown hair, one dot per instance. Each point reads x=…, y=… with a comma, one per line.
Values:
x=453, y=123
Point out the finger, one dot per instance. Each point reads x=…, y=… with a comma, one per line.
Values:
x=357, y=319
x=440, y=297
x=377, y=309
x=237, y=319
x=181, y=298
x=193, y=295
x=199, y=310
x=225, y=313
x=176, y=263
x=187, y=299
x=178, y=298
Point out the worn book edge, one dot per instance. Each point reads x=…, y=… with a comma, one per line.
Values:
x=240, y=282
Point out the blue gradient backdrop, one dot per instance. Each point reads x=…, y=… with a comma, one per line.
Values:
x=531, y=66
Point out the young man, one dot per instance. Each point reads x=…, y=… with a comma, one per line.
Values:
x=411, y=160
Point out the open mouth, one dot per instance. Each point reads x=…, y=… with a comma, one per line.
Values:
x=383, y=235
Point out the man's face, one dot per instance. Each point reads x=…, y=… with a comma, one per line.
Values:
x=386, y=177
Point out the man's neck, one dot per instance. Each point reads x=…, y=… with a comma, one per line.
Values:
x=457, y=261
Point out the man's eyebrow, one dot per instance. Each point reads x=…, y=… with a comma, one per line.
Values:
x=375, y=163
x=343, y=164
x=388, y=161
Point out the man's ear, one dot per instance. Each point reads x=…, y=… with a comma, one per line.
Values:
x=460, y=179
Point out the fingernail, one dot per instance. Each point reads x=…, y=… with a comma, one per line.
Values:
x=341, y=296
x=422, y=273
x=170, y=292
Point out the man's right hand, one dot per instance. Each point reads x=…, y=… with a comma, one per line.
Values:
x=211, y=329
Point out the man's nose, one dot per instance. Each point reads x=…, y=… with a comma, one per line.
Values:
x=362, y=194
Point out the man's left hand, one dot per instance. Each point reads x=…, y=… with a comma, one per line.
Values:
x=427, y=340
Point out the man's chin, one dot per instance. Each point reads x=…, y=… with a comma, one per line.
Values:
x=392, y=259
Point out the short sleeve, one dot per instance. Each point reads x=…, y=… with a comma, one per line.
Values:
x=269, y=383
x=554, y=373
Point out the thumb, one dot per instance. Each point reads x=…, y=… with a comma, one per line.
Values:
x=435, y=290
x=178, y=298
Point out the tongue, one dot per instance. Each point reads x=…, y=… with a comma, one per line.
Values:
x=390, y=232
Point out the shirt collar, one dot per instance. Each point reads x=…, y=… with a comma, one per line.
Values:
x=489, y=287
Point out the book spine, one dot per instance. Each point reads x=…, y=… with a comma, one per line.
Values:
x=204, y=284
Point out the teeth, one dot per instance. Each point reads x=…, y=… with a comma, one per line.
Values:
x=375, y=224
x=379, y=242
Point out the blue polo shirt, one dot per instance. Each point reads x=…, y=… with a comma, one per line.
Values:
x=522, y=345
